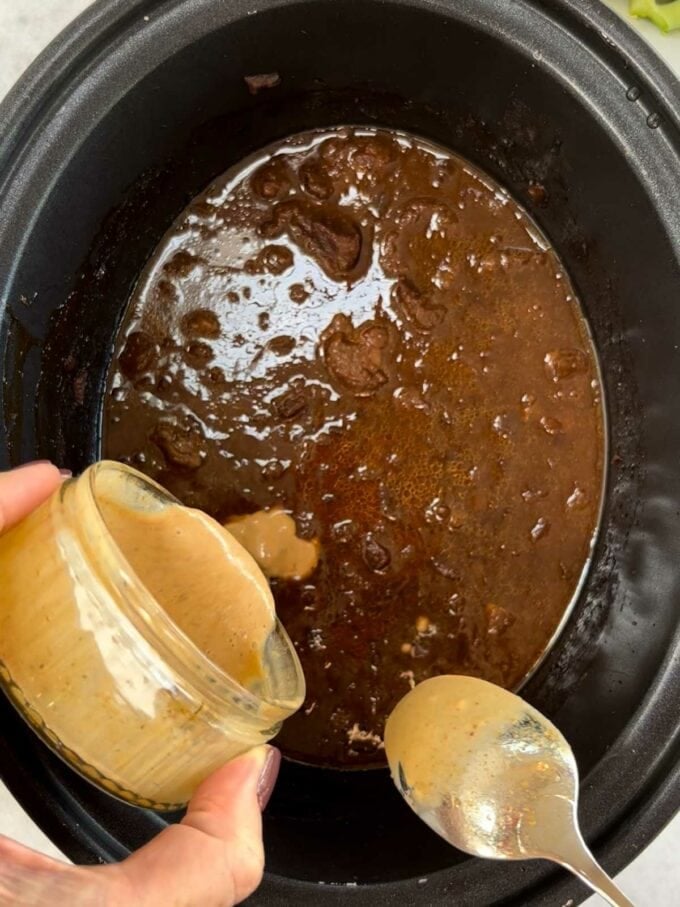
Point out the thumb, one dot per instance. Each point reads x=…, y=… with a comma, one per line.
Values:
x=214, y=857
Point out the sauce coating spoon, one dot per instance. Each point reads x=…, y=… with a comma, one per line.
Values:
x=491, y=775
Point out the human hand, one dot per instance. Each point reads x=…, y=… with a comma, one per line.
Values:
x=212, y=858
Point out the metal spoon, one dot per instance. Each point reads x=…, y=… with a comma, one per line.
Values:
x=491, y=775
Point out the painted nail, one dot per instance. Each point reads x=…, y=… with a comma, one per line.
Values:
x=268, y=776
x=34, y=463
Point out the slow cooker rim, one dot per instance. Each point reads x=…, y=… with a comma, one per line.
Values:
x=78, y=43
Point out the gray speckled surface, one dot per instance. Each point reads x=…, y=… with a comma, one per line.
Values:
x=26, y=26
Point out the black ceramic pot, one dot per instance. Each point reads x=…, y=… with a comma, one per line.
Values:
x=135, y=109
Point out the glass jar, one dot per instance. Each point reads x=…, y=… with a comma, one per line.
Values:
x=97, y=666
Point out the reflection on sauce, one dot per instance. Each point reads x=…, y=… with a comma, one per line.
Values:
x=362, y=330
x=270, y=537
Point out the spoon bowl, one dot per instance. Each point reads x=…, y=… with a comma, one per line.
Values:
x=491, y=775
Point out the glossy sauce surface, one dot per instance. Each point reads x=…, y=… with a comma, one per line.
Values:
x=361, y=329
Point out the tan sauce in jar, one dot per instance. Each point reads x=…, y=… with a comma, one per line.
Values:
x=83, y=652
x=203, y=578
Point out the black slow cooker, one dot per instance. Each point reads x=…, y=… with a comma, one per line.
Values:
x=131, y=112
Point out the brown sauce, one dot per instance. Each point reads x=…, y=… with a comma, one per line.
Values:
x=363, y=330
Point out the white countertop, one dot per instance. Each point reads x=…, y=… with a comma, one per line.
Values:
x=26, y=26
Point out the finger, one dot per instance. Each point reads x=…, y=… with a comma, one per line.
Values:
x=214, y=857
x=30, y=879
x=24, y=489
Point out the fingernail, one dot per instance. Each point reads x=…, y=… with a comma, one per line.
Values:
x=34, y=463
x=65, y=473
x=268, y=776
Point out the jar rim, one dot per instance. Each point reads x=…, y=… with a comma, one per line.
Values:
x=196, y=666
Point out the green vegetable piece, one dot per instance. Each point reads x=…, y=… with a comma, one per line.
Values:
x=665, y=15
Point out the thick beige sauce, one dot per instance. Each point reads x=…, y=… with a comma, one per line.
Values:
x=270, y=536
x=203, y=578
x=440, y=731
x=482, y=767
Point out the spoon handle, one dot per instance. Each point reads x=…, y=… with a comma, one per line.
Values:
x=584, y=865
